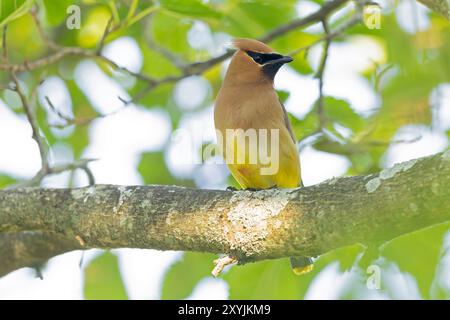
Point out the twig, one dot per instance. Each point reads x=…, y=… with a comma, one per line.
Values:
x=58, y=112
x=5, y=47
x=319, y=15
x=320, y=72
x=46, y=169
x=37, y=179
x=50, y=59
x=221, y=263
x=50, y=43
x=89, y=174
x=105, y=34
x=40, y=140
x=75, y=121
x=330, y=36
x=6, y=87
x=379, y=76
x=398, y=141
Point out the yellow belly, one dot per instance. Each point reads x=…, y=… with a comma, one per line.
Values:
x=254, y=171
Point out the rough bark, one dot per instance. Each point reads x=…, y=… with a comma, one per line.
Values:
x=249, y=225
x=440, y=6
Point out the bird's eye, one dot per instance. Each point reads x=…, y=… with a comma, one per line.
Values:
x=257, y=57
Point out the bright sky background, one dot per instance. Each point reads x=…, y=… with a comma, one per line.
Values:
x=119, y=139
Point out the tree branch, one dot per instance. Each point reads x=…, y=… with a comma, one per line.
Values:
x=31, y=249
x=31, y=117
x=442, y=7
x=246, y=225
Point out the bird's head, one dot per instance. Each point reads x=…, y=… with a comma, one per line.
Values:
x=254, y=61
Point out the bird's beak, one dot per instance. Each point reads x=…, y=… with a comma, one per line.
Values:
x=280, y=61
x=270, y=68
x=285, y=59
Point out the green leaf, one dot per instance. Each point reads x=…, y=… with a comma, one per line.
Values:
x=13, y=9
x=56, y=11
x=164, y=24
x=254, y=18
x=82, y=109
x=362, y=163
x=271, y=279
x=339, y=111
x=153, y=169
x=306, y=126
x=274, y=279
x=294, y=41
x=182, y=277
x=102, y=279
x=190, y=8
x=6, y=180
x=418, y=253
x=283, y=95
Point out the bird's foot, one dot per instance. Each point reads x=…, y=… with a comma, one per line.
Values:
x=252, y=189
x=231, y=188
x=259, y=189
x=221, y=263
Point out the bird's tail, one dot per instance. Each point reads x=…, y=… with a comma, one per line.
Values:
x=301, y=265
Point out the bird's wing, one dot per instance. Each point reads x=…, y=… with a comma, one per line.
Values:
x=287, y=123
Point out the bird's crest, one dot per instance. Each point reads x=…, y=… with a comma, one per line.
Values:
x=251, y=45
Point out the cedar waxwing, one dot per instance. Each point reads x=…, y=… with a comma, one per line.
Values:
x=248, y=105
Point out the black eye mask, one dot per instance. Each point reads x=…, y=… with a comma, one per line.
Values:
x=262, y=58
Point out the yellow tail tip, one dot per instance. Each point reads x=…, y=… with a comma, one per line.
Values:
x=302, y=270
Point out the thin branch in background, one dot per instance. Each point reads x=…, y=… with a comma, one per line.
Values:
x=329, y=36
x=59, y=113
x=316, y=16
x=320, y=73
x=31, y=117
x=356, y=19
x=44, y=61
x=104, y=36
x=6, y=87
x=77, y=164
x=46, y=169
x=4, y=45
x=75, y=121
x=398, y=141
x=49, y=42
x=89, y=174
x=379, y=75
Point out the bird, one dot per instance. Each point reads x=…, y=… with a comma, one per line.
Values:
x=247, y=103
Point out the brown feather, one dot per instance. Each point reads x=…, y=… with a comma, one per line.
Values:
x=251, y=45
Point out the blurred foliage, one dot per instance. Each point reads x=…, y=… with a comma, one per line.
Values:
x=6, y=180
x=102, y=279
x=182, y=276
x=415, y=64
